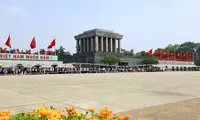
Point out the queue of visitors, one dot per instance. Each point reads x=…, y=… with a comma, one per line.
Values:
x=62, y=70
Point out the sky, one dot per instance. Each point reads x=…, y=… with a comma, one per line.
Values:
x=145, y=24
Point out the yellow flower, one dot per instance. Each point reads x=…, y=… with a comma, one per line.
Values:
x=91, y=118
x=43, y=111
x=55, y=114
x=4, y=118
x=78, y=113
x=5, y=115
x=70, y=111
x=122, y=118
x=105, y=112
x=90, y=110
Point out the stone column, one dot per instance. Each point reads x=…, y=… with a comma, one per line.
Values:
x=77, y=46
x=119, y=46
x=84, y=45
x=114, y=45
x=92, y=44
x=96, y=43
x=111, y=45
x=88, y=47
x=106, y=44
x=80, y=41
x=102, y=44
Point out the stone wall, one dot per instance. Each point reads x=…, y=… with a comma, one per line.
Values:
x=95, y=57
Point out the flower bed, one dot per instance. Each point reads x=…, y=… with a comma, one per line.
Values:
x=44, y=113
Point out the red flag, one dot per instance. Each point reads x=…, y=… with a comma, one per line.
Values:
x=14, y=51
x=52, y=44
x=22, y=52
x=51, y=52
x=158, y=52
x=179, y=54
x=33, y=43
x=18, y=51
x=8, y=42
x=165, y=53
x=190, y=55
x=40, y=52
x=172, y=54
x=185, y=55
x=4, y=50
x=46, y=52
x=149, y=52
x=28, y=51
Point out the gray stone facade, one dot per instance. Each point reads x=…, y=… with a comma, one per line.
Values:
x=98, y=40
x=94, y=44
x=95, y=57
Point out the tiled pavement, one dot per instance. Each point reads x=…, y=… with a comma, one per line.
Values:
x=118, y=91
x=184, y=110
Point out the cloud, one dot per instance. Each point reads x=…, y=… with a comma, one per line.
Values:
x=18, y=10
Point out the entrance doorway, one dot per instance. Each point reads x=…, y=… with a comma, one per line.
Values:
x=123, y=63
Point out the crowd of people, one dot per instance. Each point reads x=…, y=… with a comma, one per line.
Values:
x=62, y=70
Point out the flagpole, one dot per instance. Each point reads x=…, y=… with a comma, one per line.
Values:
x=55, y=46
x=175, y=54
x=10, y=46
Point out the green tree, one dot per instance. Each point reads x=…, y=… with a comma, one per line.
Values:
x=149, y=60
x=63, y=55
x=110, y=60
x=172, y=48
x=127, y=52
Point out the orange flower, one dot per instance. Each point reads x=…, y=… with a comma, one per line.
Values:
x=70, y=111
x=122, y=118
x=5, y=115
x=105, y=112
x=4, y=118
x=55, y=115
x=43, y=111
x=78, y=113
x=91, y=118
x=90, y=110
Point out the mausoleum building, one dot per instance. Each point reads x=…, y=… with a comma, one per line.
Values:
x=93, y=45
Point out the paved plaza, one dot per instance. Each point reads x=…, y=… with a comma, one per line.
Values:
x=120, y=92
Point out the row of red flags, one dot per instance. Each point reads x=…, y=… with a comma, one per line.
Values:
x=32, y=43
x=167, y=54
x=17, y=51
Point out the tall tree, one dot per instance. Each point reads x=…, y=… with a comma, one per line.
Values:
x=63, y=55
x=110, y=60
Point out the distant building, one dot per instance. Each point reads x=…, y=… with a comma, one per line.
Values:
x=28, y=60
x=93, y=45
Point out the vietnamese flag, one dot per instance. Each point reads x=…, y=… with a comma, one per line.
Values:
x=165, y=53
x=28, y=51
x=52, y=44
x=40, y=52
x=33, y=43
x=158, y=52
x=179, y=54
x=149, y=52
x=4, y=50
x=14, y=51
x=46, y=52
x=172, y=54
x=18, y=51
x=185, y=55
x=190, y=55
x=8, y=42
